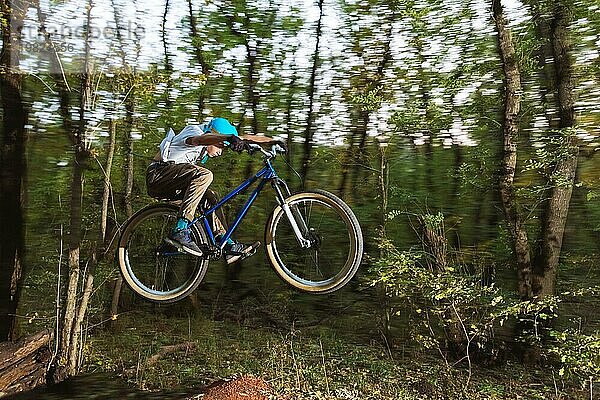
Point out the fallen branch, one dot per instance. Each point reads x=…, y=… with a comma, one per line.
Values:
x=165, y=350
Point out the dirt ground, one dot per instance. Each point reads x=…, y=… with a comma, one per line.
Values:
x=242, y=388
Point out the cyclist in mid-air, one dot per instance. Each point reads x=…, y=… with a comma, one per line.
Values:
x=174, y=174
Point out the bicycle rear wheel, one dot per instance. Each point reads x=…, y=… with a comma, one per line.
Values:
x=336, y=240
x=152, y=268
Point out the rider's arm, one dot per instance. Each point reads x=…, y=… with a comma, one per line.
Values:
x=207, y=139
x=258, y=139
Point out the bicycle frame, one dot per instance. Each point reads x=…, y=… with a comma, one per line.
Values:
x=267, y=173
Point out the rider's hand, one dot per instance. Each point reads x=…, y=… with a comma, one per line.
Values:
x=281, y=144
x=237, y=144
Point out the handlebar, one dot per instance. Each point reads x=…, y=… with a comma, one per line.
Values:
x=275, y=148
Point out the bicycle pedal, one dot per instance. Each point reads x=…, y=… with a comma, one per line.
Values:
x=212, y=252
x=249, y=251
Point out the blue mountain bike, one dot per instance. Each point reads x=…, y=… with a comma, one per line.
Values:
x=312, y=239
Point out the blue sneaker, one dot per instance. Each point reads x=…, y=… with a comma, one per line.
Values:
x=182, y=239
x=237, y=251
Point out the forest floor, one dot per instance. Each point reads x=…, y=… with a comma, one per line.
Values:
x=225, y=360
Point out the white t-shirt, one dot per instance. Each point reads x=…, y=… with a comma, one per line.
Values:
x=174, y=148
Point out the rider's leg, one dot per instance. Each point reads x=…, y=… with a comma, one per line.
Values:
x=218, y=221
x=234, y=251
x=167, y=180
x=189, y=181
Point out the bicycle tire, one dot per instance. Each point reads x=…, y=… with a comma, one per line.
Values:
x=153, y=269
x=279, y=238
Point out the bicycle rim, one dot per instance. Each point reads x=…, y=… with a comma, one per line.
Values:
x=336, y=249
x=154, y=269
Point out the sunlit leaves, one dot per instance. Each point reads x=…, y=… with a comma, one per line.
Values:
x=558, y=145
x=369, y=101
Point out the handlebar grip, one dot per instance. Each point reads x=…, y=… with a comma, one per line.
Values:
x=252, y=147
x=278, y=149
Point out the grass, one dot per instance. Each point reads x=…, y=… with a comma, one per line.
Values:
x=309, y=363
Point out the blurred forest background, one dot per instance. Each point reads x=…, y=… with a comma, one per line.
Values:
x=463, y=134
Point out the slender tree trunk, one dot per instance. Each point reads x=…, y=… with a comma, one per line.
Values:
x=168, y=115
x=129, y=107
x=510, y=126
x=106, y=193
x=129, y=181
x=383, y=295
x=357, y=155
x=309, y=130
x=358, y=151
x=455, y=195
x=199, y=57
x=349, y=156
x=79, y=164
x=543, y=54
x=253, y=100
x=288, y=122
x=563, y=175
x=71, y=323
x=13, y=168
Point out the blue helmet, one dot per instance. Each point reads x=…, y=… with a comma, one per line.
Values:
x=221, y=126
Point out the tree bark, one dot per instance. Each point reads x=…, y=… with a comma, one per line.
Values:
x=199, y=57
x=129, y=107
x=510, y=128
x=69, y=344
x=309, y=130
x=23, y=365
x=353, y=154
x=563, y=174
x=13, y=167
x=106, y=193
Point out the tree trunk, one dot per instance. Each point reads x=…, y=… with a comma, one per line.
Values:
x=545, y=76
x=251, y=53
x=13, y=168
x=510, y=126
x=74, y=248
x=168, y=114
x=69, y=344
x=309, y=130
x=199, y=57
x=253, y=98
x=288, y=122
x=106, y=193
x=129, y=106
x=563, y=175
x=356, y=155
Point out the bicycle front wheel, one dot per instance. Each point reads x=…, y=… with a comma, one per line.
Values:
x=151, y=267
x=336, y=242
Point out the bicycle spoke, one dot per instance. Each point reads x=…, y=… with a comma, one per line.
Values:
x=153, y=268
x=330, y=256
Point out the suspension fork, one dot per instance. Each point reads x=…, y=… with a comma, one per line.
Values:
x=292, y=213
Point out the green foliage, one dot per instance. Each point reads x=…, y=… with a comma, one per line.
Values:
x=526, y=48
x=408, y=120
x=579, y=354
x=454, y=310
x=446, y=307
x=479, y=174
x=433, y=221
x=558, y=145
x=369, y=101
